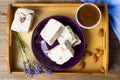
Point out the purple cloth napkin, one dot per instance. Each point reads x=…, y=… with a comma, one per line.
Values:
x=114, y=13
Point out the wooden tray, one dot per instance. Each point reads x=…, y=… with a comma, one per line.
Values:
x=44, y=10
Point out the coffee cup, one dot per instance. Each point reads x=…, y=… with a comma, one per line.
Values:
x=88, y=15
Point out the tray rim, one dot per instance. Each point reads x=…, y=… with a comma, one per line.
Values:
x=9, y=36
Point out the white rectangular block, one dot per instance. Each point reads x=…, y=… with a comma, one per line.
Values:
x=22, y=20
x=61, y=53
x=51, y=31
x=69, y=35
x=77, y=42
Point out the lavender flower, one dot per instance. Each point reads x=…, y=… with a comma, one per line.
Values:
x=30, y=68
x=24, y=67
x=49, y=72
x=30, y=72
x=37, y=68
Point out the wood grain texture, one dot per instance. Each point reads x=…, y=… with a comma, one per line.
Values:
x=114, y=63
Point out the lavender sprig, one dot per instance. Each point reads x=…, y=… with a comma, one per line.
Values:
x=30, y=67
x=49, y=72
x=37, y=68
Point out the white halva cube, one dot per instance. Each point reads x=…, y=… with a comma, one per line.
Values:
x=61, y=53
x=69, y=35
x=22, y=20
x=78, y=41
x=52, y=31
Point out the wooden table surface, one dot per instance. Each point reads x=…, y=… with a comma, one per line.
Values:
x=114, y=63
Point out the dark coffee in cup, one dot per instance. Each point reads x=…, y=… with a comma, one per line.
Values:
x=88, y=15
